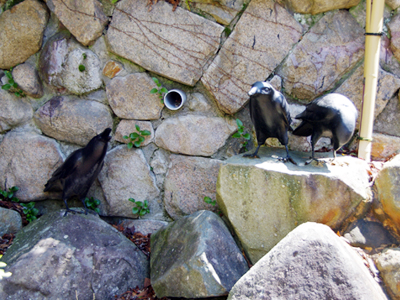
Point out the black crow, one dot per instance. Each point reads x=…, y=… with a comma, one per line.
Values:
x=75, y=176
x=333, y=116
x=270, y=115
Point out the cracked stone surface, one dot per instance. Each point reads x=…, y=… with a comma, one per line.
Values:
x=177, y=45
x=263, y=36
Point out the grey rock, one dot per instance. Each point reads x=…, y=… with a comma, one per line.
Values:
x=329, y=50
x=194, y=135
x=28, y=160
x=311, y=262
x=199, y=103
x=195, y=257
x=265, y=199
x=78, y=256
x=145, y=227
x=319, y=6
x=72, y=119
x=126, y=127
x=254, y=49
x=394, y=28
x=167, y=43
x=394, y=4
x=83, y=18
x=27, y=78
x=388, y=85
x=21, y=32
x=387, y=122
x=188, y=181
x=130, y=97
x=66, y=65
x=13, y=110
x=160, y=162
x=10, y=221
x=77, y=81
x=388, y=193
x=126, y=174
x=368, y=234
x=388, y=264
x=222, y=11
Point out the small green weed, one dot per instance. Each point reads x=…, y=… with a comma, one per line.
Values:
x=114, y=1
x=137, y=138
x=9, y=196
x=160, y=90
x=12, y=85
x=240, y=134
x=30, y=211
x=208, y=200
x=92, y=204
x=141, y=208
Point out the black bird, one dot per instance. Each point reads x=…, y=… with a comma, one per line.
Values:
x=75, y=176
x=333, y=116
x=270, y=115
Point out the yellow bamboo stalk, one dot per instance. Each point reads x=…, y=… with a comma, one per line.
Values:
x=374, y=24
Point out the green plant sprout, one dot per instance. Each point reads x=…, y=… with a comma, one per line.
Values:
x=239, y=134
x=92, y=204
x=208, y=200
x=137, y=138
x=114, y=1
x=12, y=85
x=160, y=90
x=30, y=211
x=9, y=196
x=141, y=208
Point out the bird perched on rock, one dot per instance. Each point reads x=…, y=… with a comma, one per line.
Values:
x=270, y=115
x=333, y=116
x=75, y=176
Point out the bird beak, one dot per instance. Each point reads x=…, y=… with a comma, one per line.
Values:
x=105, y=134
x=253, y=91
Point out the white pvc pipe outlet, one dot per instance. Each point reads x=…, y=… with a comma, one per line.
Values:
x=174, y=99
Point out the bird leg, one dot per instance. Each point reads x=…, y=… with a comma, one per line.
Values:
x=84, y=204
x=254, y=155
x=287, y=158
x=312, y=156
x=70, y=210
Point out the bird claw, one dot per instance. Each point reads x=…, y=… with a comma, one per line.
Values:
x=286, y=159
x=251, y=155
x=73, y=211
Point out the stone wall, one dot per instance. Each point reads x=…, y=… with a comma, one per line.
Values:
x=86, y=65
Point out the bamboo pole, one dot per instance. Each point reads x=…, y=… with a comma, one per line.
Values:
x=373, y=28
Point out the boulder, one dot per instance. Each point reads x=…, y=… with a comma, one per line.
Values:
x=10, y=221
x=177, y=45
x=394, y=30
x=21, y=32
x=258, y=44
x=311, y=262
x=83, y=18
x=319, y=6
x=384, y=146
x=386, y=206
x=331, y=48
x=66, y=65
x=72, y=119
x=264, y=199
x=369, y=235
x=74, y=257
x=27, y=78
x=388, y=264
x=27, y=161
x=126, y=174
x=388, y=85
x=222, y=11
x=145, y=227
x=393, y=4
x=194, y=135
x=188, y=181
x=195, y=257
x=13, y=110
x=126, y=127
x=387, y=122
x=130, y=97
